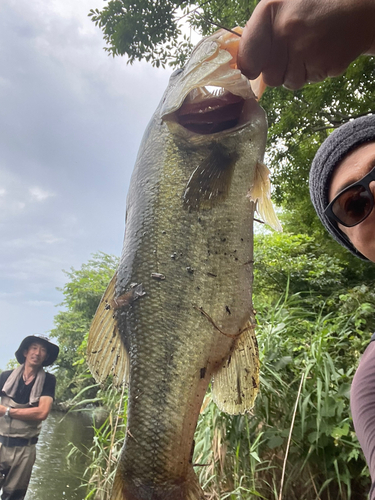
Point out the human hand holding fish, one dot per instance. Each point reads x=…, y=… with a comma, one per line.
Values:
x=178, y=313
x=292, y=42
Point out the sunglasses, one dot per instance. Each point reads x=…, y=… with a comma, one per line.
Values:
x=354, y=203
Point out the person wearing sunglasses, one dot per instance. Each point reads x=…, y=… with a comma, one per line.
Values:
x=342, y=189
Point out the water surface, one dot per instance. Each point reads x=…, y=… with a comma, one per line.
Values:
x=52, y=478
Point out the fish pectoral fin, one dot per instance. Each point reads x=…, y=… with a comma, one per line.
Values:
x=260, y=193
x=106, y=354
x=209, y=183
x=236, y=383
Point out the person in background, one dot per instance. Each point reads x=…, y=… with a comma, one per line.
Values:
x=27, y=394
x=293, y=42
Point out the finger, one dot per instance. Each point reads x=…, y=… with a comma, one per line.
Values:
x=296, y=74
x=316, y=76
x=275, y=70
x=255, y=44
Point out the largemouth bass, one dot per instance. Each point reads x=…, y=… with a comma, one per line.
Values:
x=178, y=312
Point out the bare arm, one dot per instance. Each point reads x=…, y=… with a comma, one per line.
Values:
x=40, y=412
x=297, y=41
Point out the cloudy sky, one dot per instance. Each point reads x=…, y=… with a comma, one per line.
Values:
x=71, y=120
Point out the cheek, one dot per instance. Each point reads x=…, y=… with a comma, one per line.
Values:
x=362, y=237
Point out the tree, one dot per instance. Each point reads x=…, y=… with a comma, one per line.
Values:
x=151, y=30
x=82, y=294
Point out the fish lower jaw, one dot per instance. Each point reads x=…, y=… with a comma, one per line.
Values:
x=203, y=114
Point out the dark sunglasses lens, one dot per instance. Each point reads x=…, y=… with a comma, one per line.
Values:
x=353, y=205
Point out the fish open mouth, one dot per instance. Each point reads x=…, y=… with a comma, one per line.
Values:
x=208, y=110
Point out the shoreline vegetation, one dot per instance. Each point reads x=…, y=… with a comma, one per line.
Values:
x=314, y=321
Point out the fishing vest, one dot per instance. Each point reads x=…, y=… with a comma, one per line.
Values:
x=18, y=428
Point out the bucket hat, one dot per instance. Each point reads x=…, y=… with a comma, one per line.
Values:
x=52, y=349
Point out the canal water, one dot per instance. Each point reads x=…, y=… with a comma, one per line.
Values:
x=52, y=477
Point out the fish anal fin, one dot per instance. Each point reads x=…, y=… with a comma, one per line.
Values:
x=106, y=353
x=210, y=182
x=236, y=383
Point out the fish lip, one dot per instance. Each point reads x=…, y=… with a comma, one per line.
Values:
x=216, y=115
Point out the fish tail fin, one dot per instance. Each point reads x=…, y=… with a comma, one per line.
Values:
x=193, y=488
x=188, y=489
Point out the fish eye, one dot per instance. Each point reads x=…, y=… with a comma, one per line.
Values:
x=177, y=72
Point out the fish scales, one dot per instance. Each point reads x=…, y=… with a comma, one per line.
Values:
x=183, y=286
x=168, y=340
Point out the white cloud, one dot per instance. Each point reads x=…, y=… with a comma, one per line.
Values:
x=39, y=194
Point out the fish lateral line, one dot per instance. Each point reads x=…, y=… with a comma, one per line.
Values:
x=229, y=335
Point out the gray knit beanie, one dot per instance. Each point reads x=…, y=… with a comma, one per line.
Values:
x=342, y=140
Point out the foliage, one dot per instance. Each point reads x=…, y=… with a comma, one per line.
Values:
x=82, y=294
x=152, y=30
x=12, y=364
x=304, y=264
x=282, y=258
x=139, y=28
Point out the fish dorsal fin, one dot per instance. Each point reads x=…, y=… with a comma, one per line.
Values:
x=261, y=194
x=236, y=383
x=106, y=353
x=209, y=183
